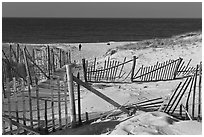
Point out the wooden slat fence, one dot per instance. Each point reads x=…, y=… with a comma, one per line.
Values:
x=185, y=102
x=160, y=71
x=37, y=110
x=41, y=62
x=110, y=71
x=185, y=70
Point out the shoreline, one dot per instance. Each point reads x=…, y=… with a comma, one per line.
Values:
x=98, y=50
x=111, y=41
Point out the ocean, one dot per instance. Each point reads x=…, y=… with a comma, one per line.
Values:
x=92, y=30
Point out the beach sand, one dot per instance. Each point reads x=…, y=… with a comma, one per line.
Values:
x=149, y=123
x=148, y=53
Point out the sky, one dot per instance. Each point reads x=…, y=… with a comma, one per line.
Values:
x=103, y=10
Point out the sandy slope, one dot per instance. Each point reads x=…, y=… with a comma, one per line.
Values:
x=150, y=123
x=149, y=52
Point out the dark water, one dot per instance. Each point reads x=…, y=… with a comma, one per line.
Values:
x=68, y=30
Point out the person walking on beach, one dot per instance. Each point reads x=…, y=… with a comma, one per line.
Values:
x=80, y=46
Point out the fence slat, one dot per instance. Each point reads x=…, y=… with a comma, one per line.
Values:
x=168, y=73
x=189, y=93
x=48, y=61
x=115, y=75
x=151, y=73
x=59, y=103
x=141, y=73
x=199, y=92
x=53, y=60
x=84, y=69
x=164, y=71
x=158, y=71
x=104, y=70
x=94, y=64
x=46, y=121
x=108, y=73
x=60, y=58
x=173, y=70
x=145, y=75
x=177, y=95
x=137, y=72
x=133, y=67
x=66, y=108
x=178, y=67
x=179, y=99
x=148, y=71
x=9, y=102
x=30, y=103
x=122, y=67
x=52, y=104
x=194, y=90
x=171, y=98
x=23, y=99
x=38, y=102
x=111, y=70
x=187, y=65
x=27, y=67
x=91, y=73
x=107, y=70
x=15, y=98
x=155, y=67
x=95, y=73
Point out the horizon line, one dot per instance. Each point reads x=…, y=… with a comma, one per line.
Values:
x=113, y=17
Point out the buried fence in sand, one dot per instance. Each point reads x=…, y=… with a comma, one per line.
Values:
x=30, y=108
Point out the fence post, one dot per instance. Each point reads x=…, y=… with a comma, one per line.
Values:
x=65, y=97
x=17, y=52
x=59, y=103
x=9, y=102
x=79, y=101
x=133, y=68
x=15, y=98
x=70, y=57
x=71, y=95
x=87, y=116
x=60, y=63
x=84, y=69
x=177, y=67
x=53, y=60
x=52, y=103
x=27, y=67
x=199, y=91
x=38, y=102
x=30, y=103
x=48, y=61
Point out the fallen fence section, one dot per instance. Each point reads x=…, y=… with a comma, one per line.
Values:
x=109, y=71
x=148, y=105
x=185, y=102
x=109, y=100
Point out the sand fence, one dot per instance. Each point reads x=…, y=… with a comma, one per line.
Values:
x=30, y=108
